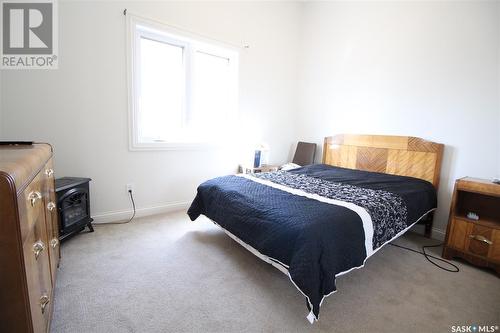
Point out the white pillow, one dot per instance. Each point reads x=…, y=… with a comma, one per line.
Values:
x=289, y=166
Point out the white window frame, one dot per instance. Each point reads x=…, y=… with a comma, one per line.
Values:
x=191, y=43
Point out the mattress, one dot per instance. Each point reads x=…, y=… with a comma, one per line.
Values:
x=316, y=222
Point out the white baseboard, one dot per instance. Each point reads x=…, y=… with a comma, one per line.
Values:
x=124, y=215
x=438, y=234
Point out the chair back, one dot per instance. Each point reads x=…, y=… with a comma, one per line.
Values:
x=304, y=154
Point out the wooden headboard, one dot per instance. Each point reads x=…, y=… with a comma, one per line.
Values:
x=397, y=155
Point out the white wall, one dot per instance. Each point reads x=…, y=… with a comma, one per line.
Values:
x=426, y=69
x=1, y=107
x=81, y=108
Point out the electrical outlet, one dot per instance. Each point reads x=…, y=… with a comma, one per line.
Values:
x=130, y=187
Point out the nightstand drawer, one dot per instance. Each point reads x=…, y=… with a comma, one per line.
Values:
x=476, y=239
x=459, y=234
x=495, y=247
x=480, y=240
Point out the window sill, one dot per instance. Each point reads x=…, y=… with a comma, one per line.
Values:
x=179, y=146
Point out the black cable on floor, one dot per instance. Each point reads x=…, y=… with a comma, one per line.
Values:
x=129, y=220
x=455, y=268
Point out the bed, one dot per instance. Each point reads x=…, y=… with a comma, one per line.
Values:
x=320, y=221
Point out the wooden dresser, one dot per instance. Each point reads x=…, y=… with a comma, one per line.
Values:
x=477, y=241
x=29, y=245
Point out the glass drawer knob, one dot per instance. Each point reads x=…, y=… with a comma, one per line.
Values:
x=54, y=242
x=51, y=206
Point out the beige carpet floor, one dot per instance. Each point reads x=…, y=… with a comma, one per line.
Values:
x=167, y=274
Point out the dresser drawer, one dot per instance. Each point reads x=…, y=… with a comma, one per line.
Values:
x=36, y=247
x=51, y=217
x=37, y=267
x=31, y=205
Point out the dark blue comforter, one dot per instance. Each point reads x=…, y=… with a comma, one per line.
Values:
x=294, y=226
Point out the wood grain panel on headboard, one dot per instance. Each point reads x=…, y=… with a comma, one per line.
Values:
x=397, y=155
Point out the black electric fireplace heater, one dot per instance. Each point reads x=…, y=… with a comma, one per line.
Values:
x=73, y=202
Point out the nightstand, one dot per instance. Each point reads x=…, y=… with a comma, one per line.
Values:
x=263, y=168
x=477, y=241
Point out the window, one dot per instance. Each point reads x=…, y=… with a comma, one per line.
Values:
x=183, y=89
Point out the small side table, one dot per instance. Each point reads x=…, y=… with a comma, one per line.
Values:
x=475, y=240
x=262, y=168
